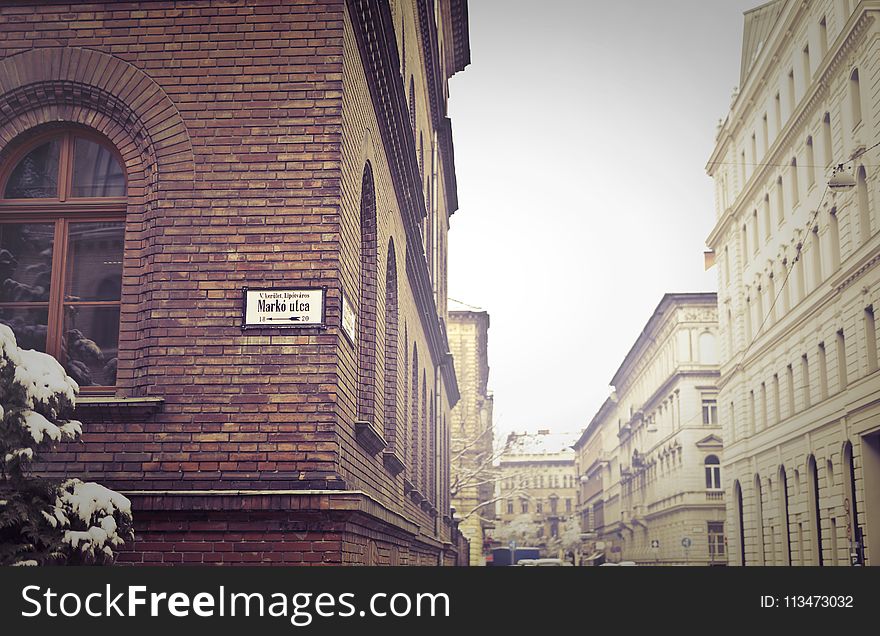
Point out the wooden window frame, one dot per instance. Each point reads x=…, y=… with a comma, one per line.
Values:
x=61, y=211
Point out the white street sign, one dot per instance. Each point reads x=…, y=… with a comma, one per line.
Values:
x=283, y=307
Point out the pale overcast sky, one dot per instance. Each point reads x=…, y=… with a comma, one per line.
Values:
x=582, y=130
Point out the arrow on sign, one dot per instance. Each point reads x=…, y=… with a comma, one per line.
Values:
x=292, y=319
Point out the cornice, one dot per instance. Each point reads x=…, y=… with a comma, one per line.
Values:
x=818, y=89
x=374, y=31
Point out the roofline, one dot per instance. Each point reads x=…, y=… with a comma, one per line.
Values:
x=667, y=300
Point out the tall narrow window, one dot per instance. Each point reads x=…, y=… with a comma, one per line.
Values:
x=785, y=288
x=816, y=257
x=759, y=520
x=823, y=36
x=412, y=105
x=864, y=212
x=764, y=417
x=754, y=151
x=784, y=516
x=756, y=240
x=765, y=134
x=366, y=323
x=811, y=163
x=793, y=182
x=777, y=407
x=805, y=379
x=752, y=414
x=789, y=383
x=805, y=62
x=841, y=361
x=849, y=491
x=423, y=432
x=748, y=318
x=827, y=143
x=710, y=412
x=855, y=98
x=791, y=94
x=800, y=274
x=780, y=201
x=768, y=227
x=715, y=536
x=745, y=244
x=740, y=521
x=391, y=352
x=871, y=338
x=823, y=372
x=771, y=294
x=63, y=272
x=415, y=442
x=815, y=511
x=834, y=239
x=727, y=265
x=742, y=168
x=777, y=105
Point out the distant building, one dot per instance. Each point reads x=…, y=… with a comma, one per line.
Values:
x=537, y=493
x=799, y=287
x=648, y=463
x=472, y=471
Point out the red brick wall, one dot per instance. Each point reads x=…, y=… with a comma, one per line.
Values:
x=239, y=104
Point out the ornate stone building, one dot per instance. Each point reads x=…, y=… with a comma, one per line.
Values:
x=473, y=469
x=536, y=493
x=798, y=258
x=156, y=159
x=648, y=463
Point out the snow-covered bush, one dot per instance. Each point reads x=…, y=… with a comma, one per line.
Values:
x=41, y=521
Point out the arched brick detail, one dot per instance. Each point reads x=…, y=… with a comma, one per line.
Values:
x=55, y=87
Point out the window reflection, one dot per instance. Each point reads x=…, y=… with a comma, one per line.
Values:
x=25, y=261
x=94, y=261
x=28, y=324
x=96, y=172
x=36, y=175
x=91, y=342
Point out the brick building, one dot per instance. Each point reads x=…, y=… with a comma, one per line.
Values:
x=158, y=157
x=473, y=469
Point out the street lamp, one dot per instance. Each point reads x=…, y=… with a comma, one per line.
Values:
x=841, y=179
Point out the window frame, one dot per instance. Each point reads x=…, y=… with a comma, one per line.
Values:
x=62, y=211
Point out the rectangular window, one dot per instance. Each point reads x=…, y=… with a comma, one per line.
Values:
x=568, y=505
x=805, y=379
x=509, y=507
x=539, y=507
x=80, y=325
x=716, y=539
x=710, y=412
x=525, y=506
x=777, y=409
x=789, y=377
x=764, y=418
x=841, y=361
x=823, y=372
x=823, y=36
x=752, y=412
x=871, y=338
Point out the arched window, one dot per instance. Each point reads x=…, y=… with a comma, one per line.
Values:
x=811, y=163
x=423, y=428
x=834, y=238
x=816, y=257
x=62, y=209
x=784, y=517
x=708, y=348
x=366, y=323
x=412, y=105
x=759, y=520
x=713, y=473
x=740, y=521
x=793, y=180
x=827, y=144
x=864, y=212
x=780, y=201
x=414, y=419
x=391, y=339
x=855, y=97
x=815, y=510
x=850, y=498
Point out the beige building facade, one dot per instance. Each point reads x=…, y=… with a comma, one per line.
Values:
x=649, y=462
x=799, y=285
x=472, y=461
x=536, y=493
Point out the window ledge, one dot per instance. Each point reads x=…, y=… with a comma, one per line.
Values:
x=368, y=437
x=108, y=408
x=392, y=462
